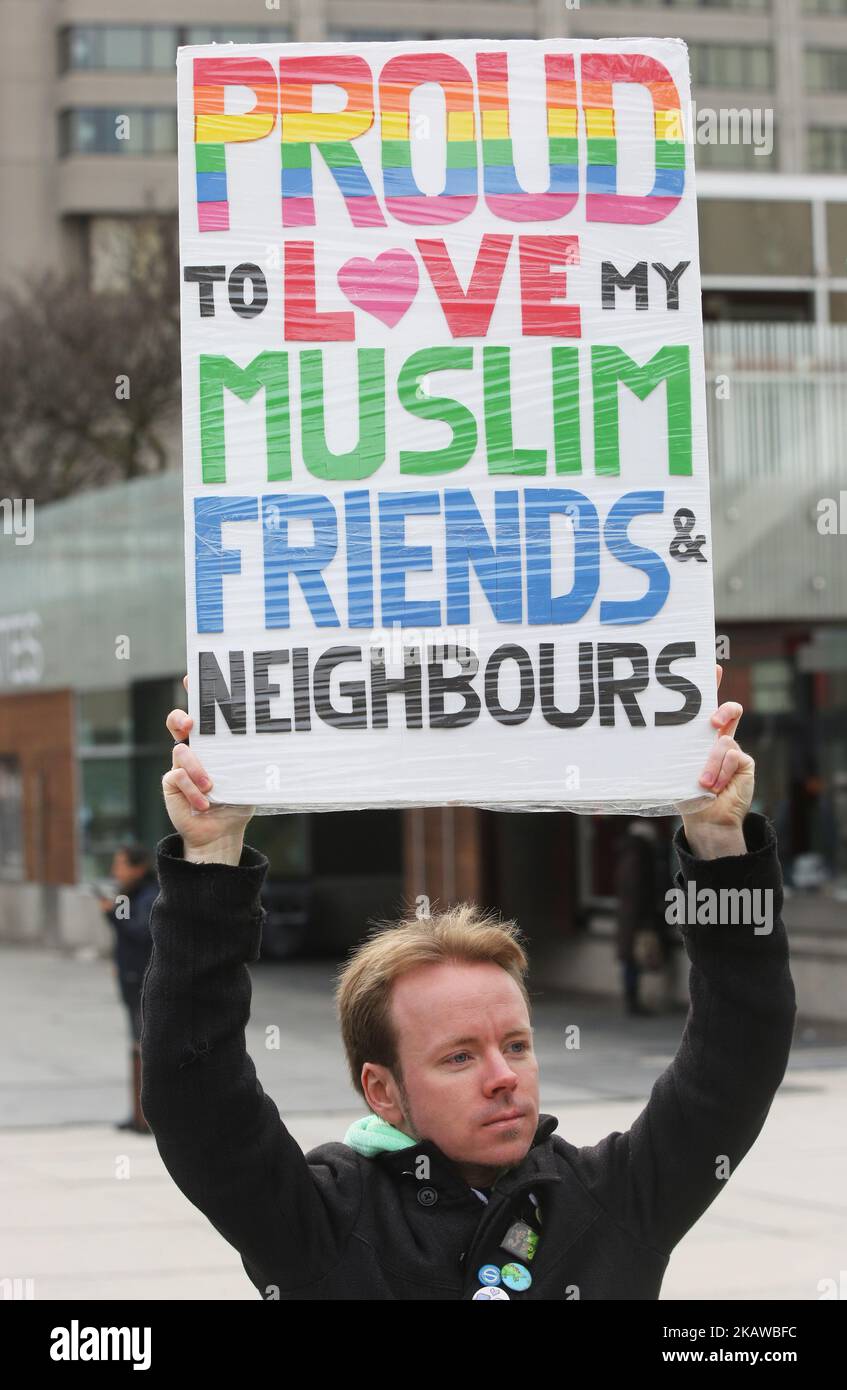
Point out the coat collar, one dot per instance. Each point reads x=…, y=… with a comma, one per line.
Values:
x=537, y=1166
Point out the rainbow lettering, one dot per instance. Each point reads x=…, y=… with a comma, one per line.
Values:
x=603, y=202
x=214, y=129
x=403, y=197
x=503, y=193
x=332, y=132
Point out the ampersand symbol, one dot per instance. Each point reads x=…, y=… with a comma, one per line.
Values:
x=684, y=546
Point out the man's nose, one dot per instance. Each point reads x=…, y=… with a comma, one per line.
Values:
x=499, y=1075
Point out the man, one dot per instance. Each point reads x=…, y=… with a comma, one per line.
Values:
x=129, y=915
x=454, y=1187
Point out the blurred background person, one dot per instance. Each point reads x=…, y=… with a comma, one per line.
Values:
x=129, y=915
x=640, y=884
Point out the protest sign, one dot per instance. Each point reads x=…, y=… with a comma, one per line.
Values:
x=446, y=489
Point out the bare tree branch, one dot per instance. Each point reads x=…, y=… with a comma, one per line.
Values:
x=89, y=382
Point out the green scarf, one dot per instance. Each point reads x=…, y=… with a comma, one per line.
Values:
x=372, y=1135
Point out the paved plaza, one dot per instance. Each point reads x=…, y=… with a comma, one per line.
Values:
x=89, y=1212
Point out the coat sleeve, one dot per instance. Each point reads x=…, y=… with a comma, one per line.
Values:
x=219, y=1134
x=707, y=1109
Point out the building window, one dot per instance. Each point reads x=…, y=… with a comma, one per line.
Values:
x=758, y=306
x=120, y=48
x=104, y=740
x=78, y=49
x=756, y=236
x=11, y=819
x=360, y=35
x=150, y=47
x=233, y=33
x=827, y=149
x=160, y=133
x=124, y=48
x=826, y=69
x=119, y=250
x=104, y=719
x=105, y=812
x=690, y=4
x=105, y=130
x=742, y=65
x=344, y=34
x=162, y=47
x=836, y=238
x=124, y=751
x=743, y=154
x=772, y=686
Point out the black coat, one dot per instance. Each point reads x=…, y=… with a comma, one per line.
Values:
x=133, y=939
x=333, y=1224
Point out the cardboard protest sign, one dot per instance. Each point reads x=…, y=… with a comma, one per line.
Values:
x=446, y=489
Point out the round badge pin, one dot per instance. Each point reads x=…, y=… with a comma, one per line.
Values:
x=488, y=1274
x=516, y=1277
x=488, y=1292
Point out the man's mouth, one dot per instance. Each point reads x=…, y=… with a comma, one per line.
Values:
x=509, y=1118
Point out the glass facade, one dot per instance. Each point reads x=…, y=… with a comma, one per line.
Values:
x=797, y=733
x=105, y=812
x=11, y=819
x=123, y=750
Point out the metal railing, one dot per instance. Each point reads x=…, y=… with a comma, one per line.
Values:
x=776, y=402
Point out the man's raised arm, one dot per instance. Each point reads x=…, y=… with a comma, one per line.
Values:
x=219, y=1135
x=707, y=1108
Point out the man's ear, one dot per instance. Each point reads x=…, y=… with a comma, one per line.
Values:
x=382, y=1093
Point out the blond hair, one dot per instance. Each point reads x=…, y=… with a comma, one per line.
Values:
x=363, y=993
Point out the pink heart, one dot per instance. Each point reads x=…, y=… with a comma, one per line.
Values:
x=384, y=287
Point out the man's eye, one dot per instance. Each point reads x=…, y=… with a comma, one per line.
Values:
x=457, y=1056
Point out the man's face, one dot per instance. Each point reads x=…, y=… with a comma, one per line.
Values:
x=467, y=1060
x=124, y=873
